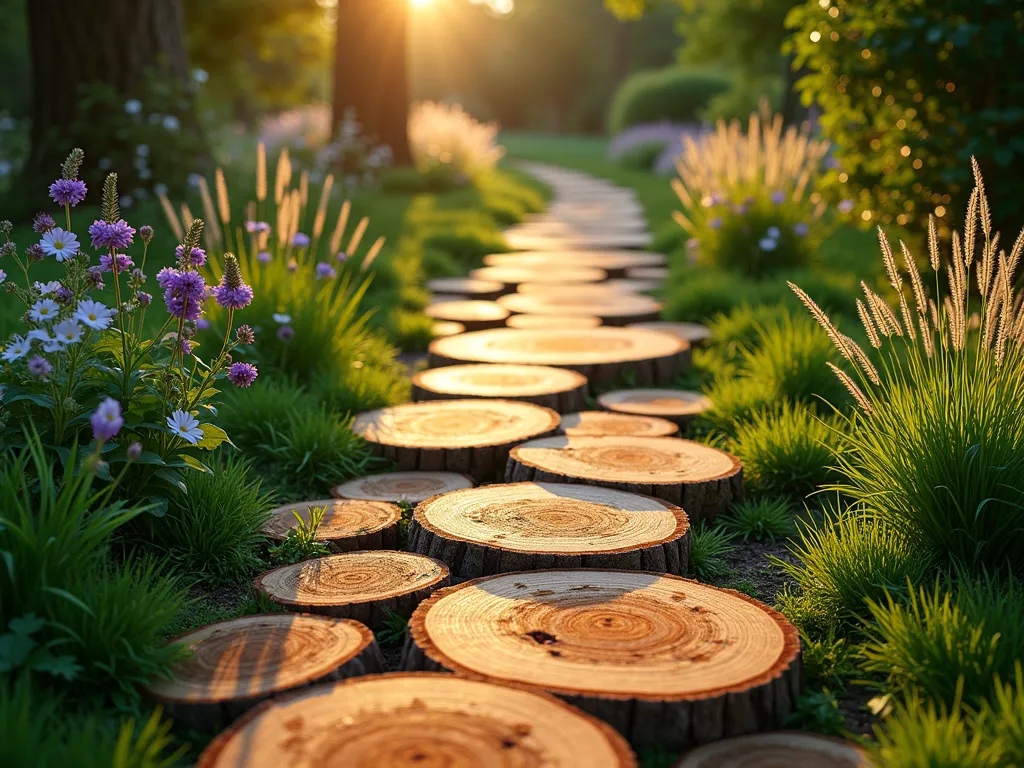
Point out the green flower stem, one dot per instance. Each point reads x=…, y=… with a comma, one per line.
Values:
x=125, y=375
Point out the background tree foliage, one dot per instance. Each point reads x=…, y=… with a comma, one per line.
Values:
x=909, y=91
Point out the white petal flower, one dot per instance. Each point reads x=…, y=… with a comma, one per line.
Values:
x=17, y=348
x=38, y=334
x=44, y=310
x=45, y=289
x=57, y=242
x=184, y=425
x=282, y=319
x=3, y=275
x=767, y=244
x=94, y=314
x=67, y=332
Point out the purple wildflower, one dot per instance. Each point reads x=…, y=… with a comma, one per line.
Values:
x=778, y=197
x=138, y=276
x=111, y=235
x=286, y=333
x=186, y=347
x=68, y=191
x=63, y=295
x=146, y=233
x=801, y=229
x=197, y=259
x=242, y=374
x=9, y=247
x=183, y=292
x=845, y=206
x=300, y=240
x=43, y=222
x=256, y=227
x=107, y=419
x=39, y=367
x=144, y=298
x=263, y=257
x=202, y=324
x=134, y=451
x=715, y=223
x=342, y=256
x=95, y=277
x=35, y=252
x=325, y=271
x=245, y=335
x=123, y=261
x=233, y=298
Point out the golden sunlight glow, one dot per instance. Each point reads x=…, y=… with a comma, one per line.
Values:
x=420, y=3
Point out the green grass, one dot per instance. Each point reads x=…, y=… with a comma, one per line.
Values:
x=760, y=519
x=709, y=548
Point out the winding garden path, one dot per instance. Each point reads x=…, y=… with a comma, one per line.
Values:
x=570, y=516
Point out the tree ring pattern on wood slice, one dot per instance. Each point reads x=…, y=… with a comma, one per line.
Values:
x=386, y=721
x=793, y=749
x=562, y=322
x=446, y=328
x=676, y=405
x=693, y=333
x=510, y=277
x=613, y=309
x=523, y=526
x=466, y=286
x=614, y=263
x=234, y=664
x=556, y=388
x=474, y=315
x=357, y=585
x=704, y=481
x=347, y=525
x=410, y=487
x=596, y=423
x=664, y=660
x=600, y=354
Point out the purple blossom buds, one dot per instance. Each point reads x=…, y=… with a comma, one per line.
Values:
x=39, y=367
x=115, y=235
x=242, y=374
x=196, y=259
x=43, y=222
x=35, y=252
x=146, y=233
x=144, y=299
x=68, y=191
x=245, y=335
x=325, y=271
x=232, y=293
x=134, y=451
x=300, y=240
x=286, y=333
x=107, y=420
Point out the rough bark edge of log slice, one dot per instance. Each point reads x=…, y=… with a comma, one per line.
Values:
x=344, y=490
x=570, y=397
x=767, y=698
x=708, y=755
x=201, y=713
x=666, y=428
x=382, y=536
x=209, y=758
x=617, y=401
x=425, y=537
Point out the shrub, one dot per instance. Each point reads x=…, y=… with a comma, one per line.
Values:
x=818, y=711
x=708, y=550
x=446, y=137
x=697, y=295
x=827, y=660
x=673, y=94
x=920, y=734
x=760, y=520
x=301, y=543
x=1003, y=716
x=938, y=451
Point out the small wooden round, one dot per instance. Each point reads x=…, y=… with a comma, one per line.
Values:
x=615, y=263
x=366, y=586
x=665, y=661
x=595, y=423
x=486, y=290
x=347, y=525
x=446, y=328
x=409, y=487
x=473, y=315
x=702, y=480
x=560, y=389
x=532, y=526
x=433, y=720
x=471, y=437
x=563, y=322
x=675, y=405
x=510, y=277
x=237, y=663
x=613, y=309
x=692, y=333
x=793, y=749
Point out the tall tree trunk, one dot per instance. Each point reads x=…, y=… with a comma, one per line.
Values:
x=371, y=72
x=84, y=42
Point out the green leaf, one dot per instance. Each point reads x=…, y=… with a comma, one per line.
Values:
x=171, y=477
x=58, y=666
x=43, y=401
x=195, y=463
x=27, y=625
x=213, y=436
x=158, y=505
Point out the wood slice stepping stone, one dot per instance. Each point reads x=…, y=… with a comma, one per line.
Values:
x=675, y=405
x=792, y=749
x=347, y=525
x=365, y=586
x=664, y=660
x=613, y=309
x=636, y=285
x=510, y=277
x=594, y=291
x=446, y=328
x=647, y=273
x=530, y=526
x=560, y=389
x=600, y=354
x=410, y=487
x=486, y=290
x=604, y=423
x=519, y=241
x=704, y=481
x=235, y=664
x=694, y=333
x=615, y=263
x=473, y=315
x=563, y=322
x=426, y=719
x=471, y=437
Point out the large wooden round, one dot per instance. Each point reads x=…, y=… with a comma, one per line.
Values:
x=664, y=660
x=615, y=263
x=558, y=322
x=531, y=526
x=473, y=315
x=527, y=241
x=607, y=289
x=446, y=328
x=704, y=481
x=365, y=586
x=471, y=437
x=614, y=309
x=409, y=487
x=347, y=525
x=675, y=405
x=560, y=389
x=510, y=277
x=693, y=333
x=594, y=423
x=781, y=749
x=418, y=719
x=600, y=354
x=487, y=290
x=237, y=663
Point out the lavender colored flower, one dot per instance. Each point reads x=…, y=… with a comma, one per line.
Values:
x=146, y=233
x=845, y=206
x=325, y=271
x=134, y=451
x=286, y=333
x=39, y=367
x=68, y=191
x=95, y=277
x=43, y=222
x=342, y=256
x=300, y=240
x=183, y=292
x=202, y=324
x=197, y=259
x=138, y=276
x=144, y=299
x=715, y=223
x=8, y=248
x=63, y=295
x=115, y=235
x=778, y=197
x=123, y=261
x=801, y=229
x=242, y=374
x=767, y=244
x=35, y=252
x=186, y=347
x=107, y=419
x=256, y=227
x=263, y=257
x=774, y=233
x=245, y=335
x=233, y=298
x=293, y=265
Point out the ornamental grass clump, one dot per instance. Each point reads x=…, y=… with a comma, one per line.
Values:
x=748, y=198
x=448, y=140
x=937, y=449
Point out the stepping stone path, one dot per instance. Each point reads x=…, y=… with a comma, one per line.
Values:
x=431, y=720
x=347, y=525
x=792, y=749
x=574, y=562
x=664, y=660
x=366, y=586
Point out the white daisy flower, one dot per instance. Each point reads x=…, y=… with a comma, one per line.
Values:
x=282, y=319
x=44, y=310
x=38, y=334
x=45, y=289
x=57, y=242
x=67, y=332
x=94, y=314
x=186, y=426
x=17, y=348
x=3, y=275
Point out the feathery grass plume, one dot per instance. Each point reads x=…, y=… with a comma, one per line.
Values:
x=869, y=325
x=261, y=172
x=110, y=209
x=321, y=209
x=983, y=210
x=213, y=233
x=926, y=338
x=988, y=260
x=172, y=217
x=190, y=241
x=72, y=165
x=862, y=360
x=340, y=226
x=186, y=215
x=357, y=236
x=834, y=336
x=888, y=323
x=915, y=280
x=971, y=228
x=852, y=388
x=223, y=202
x=282, y=176
x=372, y=254
x=933, y=244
